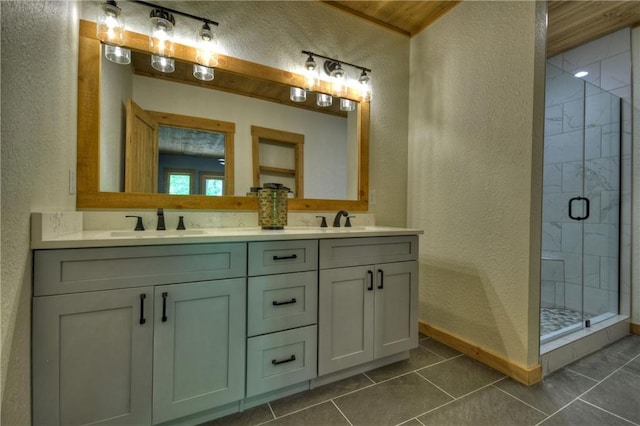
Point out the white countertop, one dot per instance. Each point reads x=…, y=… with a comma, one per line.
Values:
x=115, y=238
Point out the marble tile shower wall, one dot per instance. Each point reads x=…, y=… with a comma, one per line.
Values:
x=583, y=123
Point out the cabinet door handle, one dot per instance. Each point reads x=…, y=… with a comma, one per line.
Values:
x=142, y=318
x=164, y=306
x=288, y=302
x=370, y=286
x=293, y=256
x=381, y=284
x=284, y=361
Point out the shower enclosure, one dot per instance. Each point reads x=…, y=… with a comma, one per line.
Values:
x=581, y=205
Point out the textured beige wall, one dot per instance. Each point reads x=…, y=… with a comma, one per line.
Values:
x=635, y=225
x=38, y=150
x=475, y=146
x=39, y=42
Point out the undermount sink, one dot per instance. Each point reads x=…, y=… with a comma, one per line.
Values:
x=155, y=234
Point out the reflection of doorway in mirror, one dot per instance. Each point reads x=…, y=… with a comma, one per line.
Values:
x=278, y=157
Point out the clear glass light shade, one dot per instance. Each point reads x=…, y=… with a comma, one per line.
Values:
x=296, y=94
x=311, y=79
x=338, y=86
x=161, y=35
x=202, y=73
x=117, y=54
x=110, y=24
x=365, y=87
x=206, y=47
x=163, y=64
x=324, y=100
x=347, y=105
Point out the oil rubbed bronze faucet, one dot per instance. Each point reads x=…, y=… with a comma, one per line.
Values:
x=336, y=221
x=161, y=226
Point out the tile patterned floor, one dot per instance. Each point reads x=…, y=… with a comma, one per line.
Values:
x=439, y=386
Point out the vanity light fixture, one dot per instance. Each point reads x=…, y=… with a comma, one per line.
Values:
x=110, y=31
x=297, y=94
x=337, y=74
x=365, y=86
x=310, y=73
x=161, y=40
x=347, y=105
x=335, y=71
x=324, y=100
x=206, y=53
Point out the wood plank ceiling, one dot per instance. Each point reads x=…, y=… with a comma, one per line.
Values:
x=571, y=23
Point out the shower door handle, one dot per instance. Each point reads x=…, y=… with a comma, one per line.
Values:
x=586, y=216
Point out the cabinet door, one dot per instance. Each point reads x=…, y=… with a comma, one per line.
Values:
x=396, y=308
x=199, y=347
x=92, y=357
x=345, y=318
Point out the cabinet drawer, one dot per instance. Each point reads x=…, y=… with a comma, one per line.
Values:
x=281, y=359
x=340, y=252
x=279, y=302
x=279, y=257
x=78, y=270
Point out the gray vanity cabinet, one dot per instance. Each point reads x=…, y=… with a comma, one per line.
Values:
x=367, y=311
x=102, y=353
x=197, y=362
x=92, y=357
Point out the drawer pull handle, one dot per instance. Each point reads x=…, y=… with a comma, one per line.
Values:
x=370, y=286
x=288, y=302
x=142, y=318
x=293, y=256
x=381, y=285
x=164, y=306
x=284, y=361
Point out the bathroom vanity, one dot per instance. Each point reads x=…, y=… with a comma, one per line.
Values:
x=135, y=328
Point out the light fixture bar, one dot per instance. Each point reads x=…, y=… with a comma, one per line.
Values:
x=306, y=52
x=178, y=12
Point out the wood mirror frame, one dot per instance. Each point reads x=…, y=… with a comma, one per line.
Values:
x=88, y=155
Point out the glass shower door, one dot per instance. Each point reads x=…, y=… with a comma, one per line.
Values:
x=581, y=198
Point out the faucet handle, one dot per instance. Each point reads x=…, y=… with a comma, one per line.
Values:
x=348, y=222
x=139, y=225
x=323, y=224
x=181, y=224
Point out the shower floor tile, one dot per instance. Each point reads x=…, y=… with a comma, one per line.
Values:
x=554, y=319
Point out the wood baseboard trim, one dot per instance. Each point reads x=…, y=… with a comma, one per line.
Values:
x=634, y=328
x=525, y=375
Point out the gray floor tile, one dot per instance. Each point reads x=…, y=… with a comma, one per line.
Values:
x=320, y=415
x=488, y=406
x=600, y=364
x=419, y=358
x=439, y=348
x=412, y=422
x=628, y=346
x=633, y=367
x=459, y=376
x=552, y=393
x=249, y=417
x=618, y=394
x=580, y=413
x=391, y=402
x=320, y=394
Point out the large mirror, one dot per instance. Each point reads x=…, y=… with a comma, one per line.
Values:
x=231, y=168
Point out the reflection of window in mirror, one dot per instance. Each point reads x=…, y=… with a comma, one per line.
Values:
x=179, y=182
x=211, y=184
